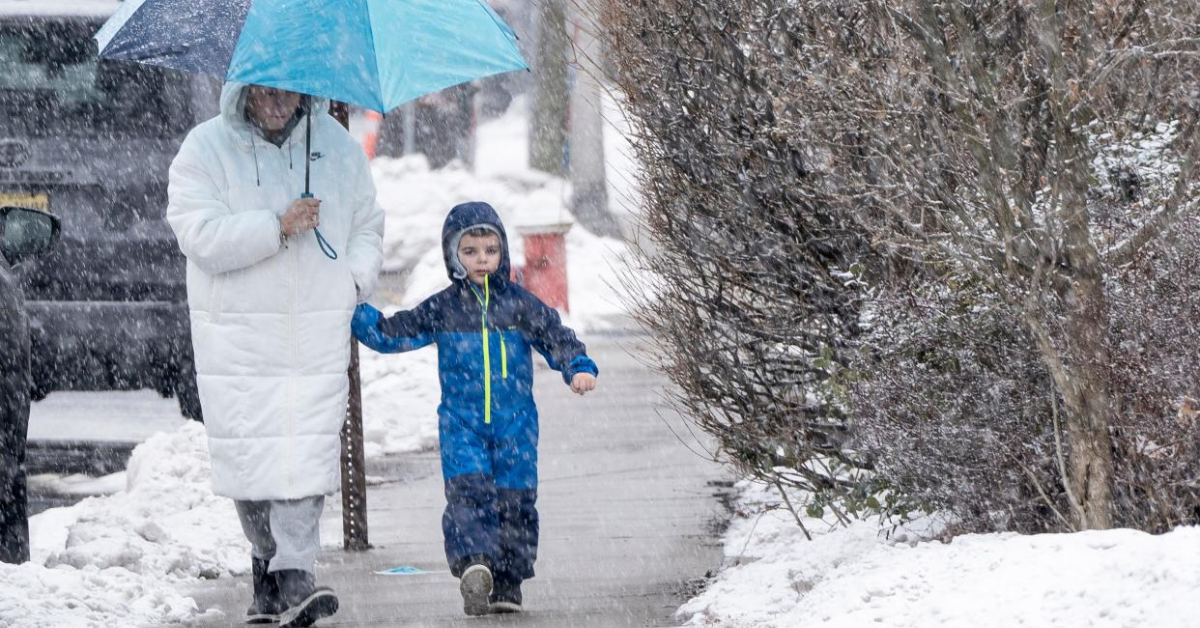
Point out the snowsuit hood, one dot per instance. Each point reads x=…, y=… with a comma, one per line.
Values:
x=467, y=216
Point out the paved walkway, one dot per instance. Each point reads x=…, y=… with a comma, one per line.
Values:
x=628, y=514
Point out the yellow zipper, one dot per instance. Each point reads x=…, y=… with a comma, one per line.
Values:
x=487, y=352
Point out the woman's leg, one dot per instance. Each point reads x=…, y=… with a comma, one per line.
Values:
x=295, y=527
x=255, y=518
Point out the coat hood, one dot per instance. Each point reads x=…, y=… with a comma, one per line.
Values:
x=233, y=113
x=465, y=216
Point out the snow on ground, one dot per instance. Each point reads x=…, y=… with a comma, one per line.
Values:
x=400, y=398
x=854, y=577
x=111, y=560
x=32, y=596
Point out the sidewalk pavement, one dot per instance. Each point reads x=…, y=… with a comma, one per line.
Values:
x=628, y=519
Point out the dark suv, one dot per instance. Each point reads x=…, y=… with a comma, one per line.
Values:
x=92, y=141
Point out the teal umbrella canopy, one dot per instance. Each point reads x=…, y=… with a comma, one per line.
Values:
x=377, y=54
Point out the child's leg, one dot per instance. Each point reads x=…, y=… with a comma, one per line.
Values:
x=515, y=464
x=518, y=538
x=470, y=524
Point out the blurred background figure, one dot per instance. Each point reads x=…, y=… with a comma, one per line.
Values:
x=440, y=126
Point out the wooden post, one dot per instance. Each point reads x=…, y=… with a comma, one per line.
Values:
x=354, y=472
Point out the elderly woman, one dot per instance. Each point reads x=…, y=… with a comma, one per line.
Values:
x=270, y=313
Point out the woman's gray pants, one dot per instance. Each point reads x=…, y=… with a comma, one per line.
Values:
x=284, y=532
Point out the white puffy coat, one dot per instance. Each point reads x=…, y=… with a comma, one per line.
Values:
x=271, y=322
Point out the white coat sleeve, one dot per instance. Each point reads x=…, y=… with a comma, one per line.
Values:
x=365, y=248
x=210, y=234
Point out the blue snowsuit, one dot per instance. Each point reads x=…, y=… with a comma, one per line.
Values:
x=487, y=420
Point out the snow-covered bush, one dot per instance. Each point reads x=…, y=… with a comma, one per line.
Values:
x=990, y=189
x=954, y=407
x=752, y=294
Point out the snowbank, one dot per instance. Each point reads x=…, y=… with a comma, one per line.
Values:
x=854, y=577
x=111, y=560
x=400, y=398
x=32, y=596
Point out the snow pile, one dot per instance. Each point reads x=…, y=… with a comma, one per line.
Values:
x=853, y=577
x=111, y=560
x=400, y=398
x=166, y=523
x=1146, y=159
x=32, y=596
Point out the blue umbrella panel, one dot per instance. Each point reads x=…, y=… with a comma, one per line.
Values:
x=376, y=54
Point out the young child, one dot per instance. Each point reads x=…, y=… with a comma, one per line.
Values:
x=484, y=327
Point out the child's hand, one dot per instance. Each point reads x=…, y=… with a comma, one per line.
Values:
x=582, y=383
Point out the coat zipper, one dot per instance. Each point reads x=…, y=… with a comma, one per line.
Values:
x=487, y=352
x=293, y=267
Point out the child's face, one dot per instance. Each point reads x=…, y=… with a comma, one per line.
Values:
x=480, y=255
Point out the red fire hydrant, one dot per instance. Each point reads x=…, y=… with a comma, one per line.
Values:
x=545, y=267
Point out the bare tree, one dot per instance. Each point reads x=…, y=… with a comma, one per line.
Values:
x=980, y=143
x=754, y=297
x=968, y=132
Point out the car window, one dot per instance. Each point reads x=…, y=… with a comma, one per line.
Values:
x=52, y=83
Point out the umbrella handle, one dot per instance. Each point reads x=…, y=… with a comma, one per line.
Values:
x=326, y=247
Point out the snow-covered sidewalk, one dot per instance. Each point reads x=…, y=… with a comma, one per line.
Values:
x=855, y=577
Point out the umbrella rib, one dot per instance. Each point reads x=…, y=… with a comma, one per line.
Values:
x=504, y=28
x=375, y=52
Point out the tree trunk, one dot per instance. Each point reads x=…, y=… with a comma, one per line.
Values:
x=1084, y=379
x=1090, y=412
x=548, y=122
x=589, y=189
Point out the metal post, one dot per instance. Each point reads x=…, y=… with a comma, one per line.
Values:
x=354, y=477
x=354, y=474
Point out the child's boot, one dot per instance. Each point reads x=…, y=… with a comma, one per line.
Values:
x=475, y=586
x=506, y=595
x=306, y=602
x=267, y=604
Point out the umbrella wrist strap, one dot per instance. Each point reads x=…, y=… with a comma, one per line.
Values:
x=326, y=248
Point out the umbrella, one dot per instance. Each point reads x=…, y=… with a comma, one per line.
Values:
x=377, y=54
